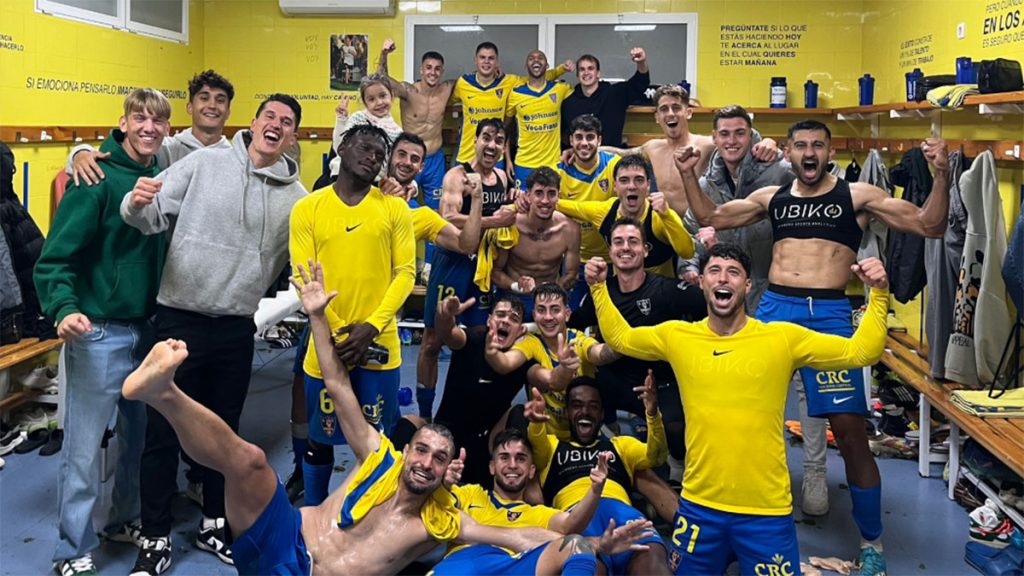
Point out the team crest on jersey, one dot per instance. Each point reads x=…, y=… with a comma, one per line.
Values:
x=553, y=98
x=603, y=184
x=673, y=559
x=645, y=306
x=513, y=516
x=499, y=92
x=327, y=424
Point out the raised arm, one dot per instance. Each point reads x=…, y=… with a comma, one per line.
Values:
x=732, y=214
x=502, y=361
x=930, y=219
x=656, y=447
x=645, y=343
x=398, y=88
x=587, y=212
x=361, y=436
x=450, y=333
x=827, y=352
x=571, y=261
x=669, y=226
x=576, y=520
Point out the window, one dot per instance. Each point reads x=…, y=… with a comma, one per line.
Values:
x=669, y=39
x=165, y=19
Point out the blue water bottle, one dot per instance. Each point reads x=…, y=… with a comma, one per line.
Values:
x=685, y=86
x=965, y=71
x=867, y=90
x=405, y=396
x=778, y=93
x=810, y=94
x=912, y=79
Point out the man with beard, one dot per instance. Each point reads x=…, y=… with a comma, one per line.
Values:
x=565, y=466
x=733, y=430
x=590, y=177
x=562, y=353
x=607, y=101
x=393, y=499
x=663, y=226
x=452, y=273
x=644, y=300
x=817, y=222
x=536, y=108
x=368, y=237
x=227, y=213
x=512, y=467
x=672, y=112
x=548, y=246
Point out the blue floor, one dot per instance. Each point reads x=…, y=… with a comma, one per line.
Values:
x=924, y=532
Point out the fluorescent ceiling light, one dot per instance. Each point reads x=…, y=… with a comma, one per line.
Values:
x=463, y=28
x=635, y=27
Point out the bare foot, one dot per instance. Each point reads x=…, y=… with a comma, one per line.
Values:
x=154, y=376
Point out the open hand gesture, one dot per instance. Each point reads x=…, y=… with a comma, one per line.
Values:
x=536, y=410
x=311, y=288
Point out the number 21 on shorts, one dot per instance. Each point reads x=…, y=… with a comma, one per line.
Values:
x=679, y=534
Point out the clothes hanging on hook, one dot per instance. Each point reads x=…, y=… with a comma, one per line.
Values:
x=853, y=170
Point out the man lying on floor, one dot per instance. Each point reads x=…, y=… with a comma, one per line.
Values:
x=397, y=493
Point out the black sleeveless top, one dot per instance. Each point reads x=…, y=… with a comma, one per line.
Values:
x=571, y=462
x=658, y=252
x=495, y=195
x=829, y=216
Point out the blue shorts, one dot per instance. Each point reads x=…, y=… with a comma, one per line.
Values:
x=484, y=559
x=522, y=173
x=828, y=391
x=579, y=290
x=431, y=179
x=377, y=391
x=451, y=274
x=705, y=541
x=300, y=352
x=611, y=509
x=273, y=544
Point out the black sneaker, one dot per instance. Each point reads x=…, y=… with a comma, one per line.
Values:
x=211, y=538
x=295, y=486
x=154, y=557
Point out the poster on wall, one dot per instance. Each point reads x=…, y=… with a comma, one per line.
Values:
x=348, y=61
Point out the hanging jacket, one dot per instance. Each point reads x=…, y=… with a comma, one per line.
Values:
x=981, y=323
x=26, y=242
x=10, y=292
x=905, y=261
x=1013, y=267
x=872, y=243
x=942, y=267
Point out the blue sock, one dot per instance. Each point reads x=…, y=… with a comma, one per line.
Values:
x=298, y=449
x=425, y=400
x=316, y=478
x=579, y=565
x=867, y=510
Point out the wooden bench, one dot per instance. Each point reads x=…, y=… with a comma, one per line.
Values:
x=14, y=354
x=1003, y=437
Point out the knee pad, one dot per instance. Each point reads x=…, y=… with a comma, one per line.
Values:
x=318, y=454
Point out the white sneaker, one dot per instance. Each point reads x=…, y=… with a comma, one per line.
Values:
x=39, y=378
x=815, y=494
x=81, y=566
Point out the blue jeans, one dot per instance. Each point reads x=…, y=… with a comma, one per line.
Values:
x=97, y=364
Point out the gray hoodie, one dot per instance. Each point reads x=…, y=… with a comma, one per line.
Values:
x=756, y=238
x=174, y=148
x=230, y=228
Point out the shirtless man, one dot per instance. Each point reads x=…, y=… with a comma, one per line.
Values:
x=452, y=273
x=672, y=112
x=549, y=244
x=817, y=222
x=422, y=112
x=397, y=493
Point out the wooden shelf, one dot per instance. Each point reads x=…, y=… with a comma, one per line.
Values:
x=12, y=401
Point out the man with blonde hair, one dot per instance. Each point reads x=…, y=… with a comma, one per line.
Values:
x=98, y=278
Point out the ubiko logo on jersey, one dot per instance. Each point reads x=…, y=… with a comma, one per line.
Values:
x=808, y=212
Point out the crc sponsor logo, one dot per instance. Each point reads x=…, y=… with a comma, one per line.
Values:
x=833, y=377
x=374, y=412
x=779, y=566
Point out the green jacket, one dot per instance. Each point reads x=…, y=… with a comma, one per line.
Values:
x=94, y=263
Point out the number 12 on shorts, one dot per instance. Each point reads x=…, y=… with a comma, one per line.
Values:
x=679, y=534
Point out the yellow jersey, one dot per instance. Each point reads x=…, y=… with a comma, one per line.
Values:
x=666, y=234
x=427, y=224
x=539, y=118
x=564, y=467
x=481, y=102
x=734, y=390
x=368, y=255
x=533, y=347
x=594, y=185
x=487, y=508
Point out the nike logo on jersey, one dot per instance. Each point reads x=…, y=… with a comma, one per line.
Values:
x=351, y=228
x=471, y=506
x=717, y=353
x=841, y=400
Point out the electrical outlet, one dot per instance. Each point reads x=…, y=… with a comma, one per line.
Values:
x=961, y=30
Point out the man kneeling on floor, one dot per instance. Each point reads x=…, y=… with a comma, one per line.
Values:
x=398, y=493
